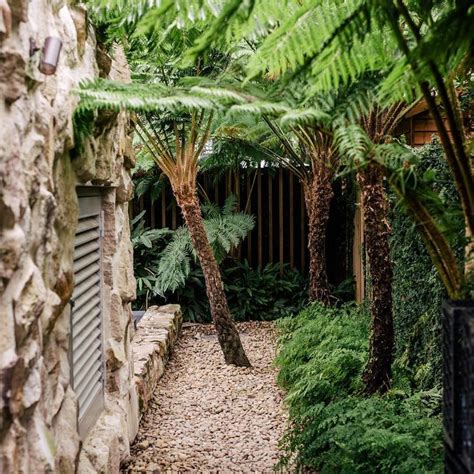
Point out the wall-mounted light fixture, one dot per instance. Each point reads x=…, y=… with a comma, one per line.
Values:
x=50, y=57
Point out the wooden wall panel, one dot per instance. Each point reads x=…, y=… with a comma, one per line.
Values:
x=274, y=197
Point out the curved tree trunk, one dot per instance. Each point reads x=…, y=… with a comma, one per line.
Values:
x=377, y=375
x=318, y=194
x=227, y=334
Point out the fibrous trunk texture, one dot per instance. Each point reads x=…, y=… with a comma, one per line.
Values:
x=318, y=194
x=227, y=334
x=469, y=265
x=377, y=374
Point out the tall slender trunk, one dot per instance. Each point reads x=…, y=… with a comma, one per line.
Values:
x=318, y=194
x=377, y=374
x=227, y=334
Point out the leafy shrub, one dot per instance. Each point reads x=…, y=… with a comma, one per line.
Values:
x=167, y=270
x=323, y=352
x=379, y=435
x=329, y=343
x=263, y=294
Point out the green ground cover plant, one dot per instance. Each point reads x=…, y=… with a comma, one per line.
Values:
x=334, y=428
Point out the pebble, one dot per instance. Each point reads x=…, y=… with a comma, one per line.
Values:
x=210, y=417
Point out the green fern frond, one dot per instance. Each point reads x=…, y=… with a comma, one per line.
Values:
x=175, y=262
x=259, y=108
x=102, y=94
x=353, y=145
x=225, y=229
x=229, y=206
x=308, y=116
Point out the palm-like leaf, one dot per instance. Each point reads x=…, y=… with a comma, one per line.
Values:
x=225, y=229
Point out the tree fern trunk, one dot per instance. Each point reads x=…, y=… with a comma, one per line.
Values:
x=318, y=194
x=227, y=334
x=377, y=374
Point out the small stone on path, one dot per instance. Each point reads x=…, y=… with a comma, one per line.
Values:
x=207, y=416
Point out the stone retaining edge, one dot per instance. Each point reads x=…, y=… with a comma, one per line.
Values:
x=156, y=334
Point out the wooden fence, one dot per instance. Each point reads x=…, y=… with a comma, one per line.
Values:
x=275, y=197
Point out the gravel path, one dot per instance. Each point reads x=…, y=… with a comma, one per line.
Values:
x=210, y=417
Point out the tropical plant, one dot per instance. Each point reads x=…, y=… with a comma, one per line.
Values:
x=174, y=126
x=339, y=42
x=295, y=132
x=323, y=352
x=379, y=125
x=165, y=259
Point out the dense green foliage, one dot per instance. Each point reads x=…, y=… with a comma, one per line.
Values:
x=165, y=268
x=333, y=427
x=167, y=271
x=417, y=289
x=269, y=293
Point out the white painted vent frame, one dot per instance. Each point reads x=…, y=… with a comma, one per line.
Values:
x=86, y=337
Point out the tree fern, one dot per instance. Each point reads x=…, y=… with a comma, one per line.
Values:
x=225, y=229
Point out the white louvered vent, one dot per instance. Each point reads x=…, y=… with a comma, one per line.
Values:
x=86, y=320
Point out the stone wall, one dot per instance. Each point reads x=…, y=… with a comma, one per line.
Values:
x=38, y=216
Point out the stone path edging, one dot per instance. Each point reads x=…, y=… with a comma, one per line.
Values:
x=157, y=332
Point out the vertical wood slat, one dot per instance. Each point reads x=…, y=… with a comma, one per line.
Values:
x=237, y=195
x=292, y=222
x=216, y=193
x=228, y=182
x=270, y=218
x=173, y=215
x=237, y=188
x=280, y=218
x=152, y=212
x=163, y=208
x=357, y=264
x=249, y=210
x=302, y=231
x=260, y=219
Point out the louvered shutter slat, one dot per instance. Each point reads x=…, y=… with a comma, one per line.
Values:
x=93, y=269
x=89, y=316
x=86, y=327
x=90, y=372
x=86, y=293
x=85, y=261
x=82, y=355
x=90, y=331
x=88, y=397
x=86, y=224
x=88, y=236
x=86, y=249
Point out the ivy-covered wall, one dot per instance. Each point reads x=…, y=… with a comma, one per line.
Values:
x=417, y=290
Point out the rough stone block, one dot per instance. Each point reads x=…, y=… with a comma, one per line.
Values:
x=12, y=75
